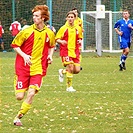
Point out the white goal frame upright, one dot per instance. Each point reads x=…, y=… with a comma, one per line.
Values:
x=111, y=31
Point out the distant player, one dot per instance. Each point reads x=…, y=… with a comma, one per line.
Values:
x=123, y=28
x=15, y=27
x=1, y=39
x=34, y=46
x=78, y=20
x=69, y=38
x=51, y=27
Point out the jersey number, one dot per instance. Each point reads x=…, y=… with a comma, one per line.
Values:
x=67, y=59
x=20, y=85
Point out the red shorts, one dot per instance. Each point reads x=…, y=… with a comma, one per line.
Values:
x=22, y=83
x=69, y=60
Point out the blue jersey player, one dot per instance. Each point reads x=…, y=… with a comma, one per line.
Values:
x=123, y=28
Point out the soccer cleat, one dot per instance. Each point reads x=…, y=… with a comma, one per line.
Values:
x=17, y=122
x=70, y=89
x=61, y=76
x=124, y=66
x=121, y=67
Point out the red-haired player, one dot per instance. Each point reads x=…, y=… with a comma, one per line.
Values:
x=34, y=46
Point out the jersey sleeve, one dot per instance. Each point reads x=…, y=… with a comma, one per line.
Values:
x=117, y=24
x=18, y=40
x=59, y=34
x=2, y=30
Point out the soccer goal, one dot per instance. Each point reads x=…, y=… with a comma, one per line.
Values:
x=109, y=38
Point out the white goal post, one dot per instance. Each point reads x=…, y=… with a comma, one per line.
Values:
x=109, y=38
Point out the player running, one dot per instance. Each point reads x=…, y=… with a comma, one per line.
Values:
x=69, y=37
x=123, y=28
x=34, y=46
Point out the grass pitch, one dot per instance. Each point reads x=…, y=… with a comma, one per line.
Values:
x=103, y=102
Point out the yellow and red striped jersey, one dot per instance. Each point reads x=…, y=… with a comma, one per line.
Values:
x=71, y=34
x=35, y=43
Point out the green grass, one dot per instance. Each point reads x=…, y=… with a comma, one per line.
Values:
x=103, y=102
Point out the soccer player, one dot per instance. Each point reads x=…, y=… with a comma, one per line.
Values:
x=15, y=27
x=69, y=37
x=1, y=39
x=51, y=27
x=78, y=20
x=34, y=46
x=123, y=28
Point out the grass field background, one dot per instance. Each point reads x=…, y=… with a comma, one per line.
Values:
x=103, y=102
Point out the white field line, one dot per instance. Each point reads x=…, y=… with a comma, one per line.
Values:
x=82, y=92
x=62, y=86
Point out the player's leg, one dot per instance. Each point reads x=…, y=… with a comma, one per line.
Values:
x=35, y=83
x=73, y=68
x=69, y=77
x=77, y=66
x=68, y=63
x=2, y=45
x=123, y=57
x=62, y=72
x=125, y=54
x=20, y=86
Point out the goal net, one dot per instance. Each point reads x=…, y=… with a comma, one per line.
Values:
x=109, y=38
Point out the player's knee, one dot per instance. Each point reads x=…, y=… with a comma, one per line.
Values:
x=19, y=96
x=76, y=72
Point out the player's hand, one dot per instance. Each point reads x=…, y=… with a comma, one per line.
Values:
x=27, y=60
x=50, y=59
x=130, y=26
x=120, y=33
x=79, y=41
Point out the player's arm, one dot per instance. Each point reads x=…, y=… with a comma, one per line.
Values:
x=27, y=58
x=63, y=42
x=60, y=35
x=50, y=55
x=116, y=27
x=16, y=44
x=118, y=32
x=130, y=26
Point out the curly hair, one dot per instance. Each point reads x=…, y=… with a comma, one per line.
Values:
x=44, y=11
